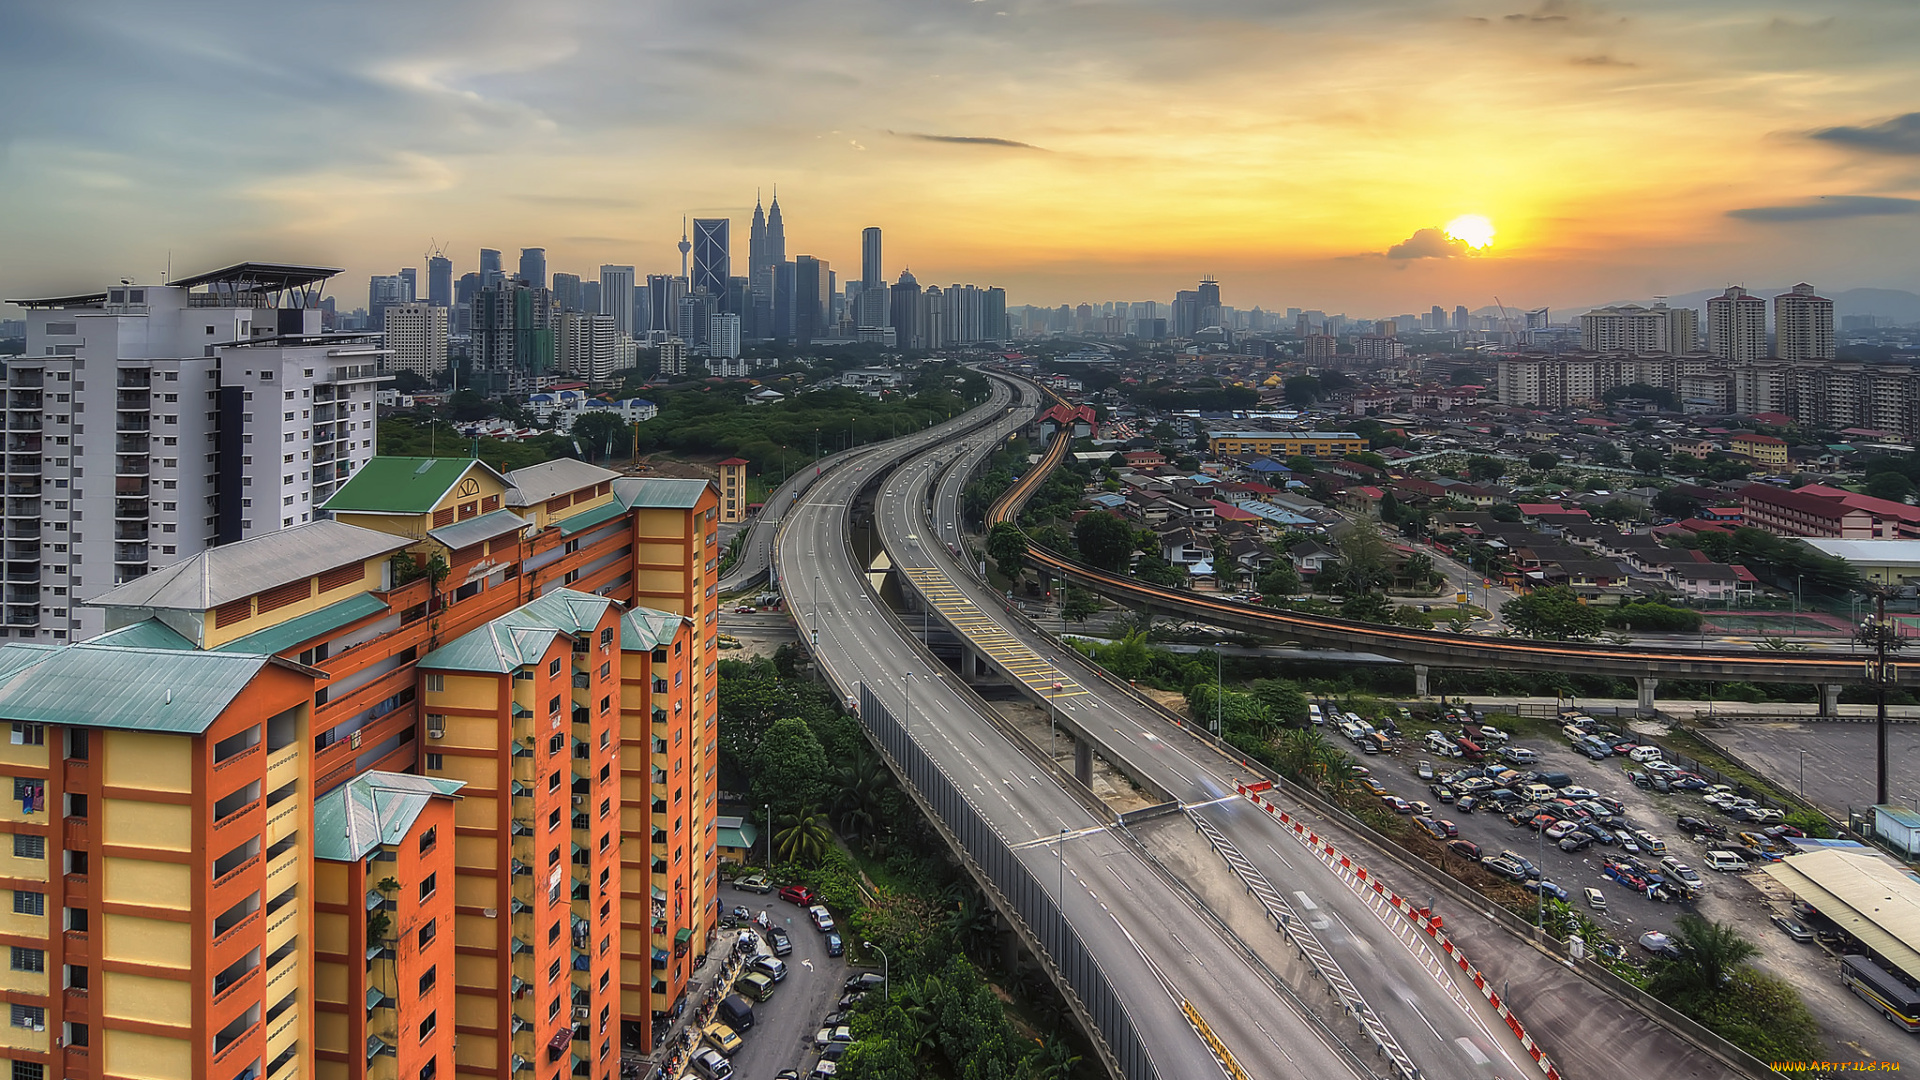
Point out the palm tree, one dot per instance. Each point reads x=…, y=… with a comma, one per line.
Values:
x=973, y=926
x=1710, y=952
x=1054, y=1060
x=857, y=785
x=803, y=838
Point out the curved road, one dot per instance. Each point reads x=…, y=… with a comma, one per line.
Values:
x=1443, y=1024
x=1121, y=909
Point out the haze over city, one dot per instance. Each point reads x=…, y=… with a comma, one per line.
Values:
x=1311, y=153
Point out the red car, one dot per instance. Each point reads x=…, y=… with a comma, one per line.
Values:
x=797, y=894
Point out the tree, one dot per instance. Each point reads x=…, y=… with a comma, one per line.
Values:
x=1889, y=485
x=1649, y=461
x=1606, y=454
x=1225, y=570
x=1675, y=504
x=1554, y=614
x=1105, y=541
x=1302, y=390
x=803, y=838
x=1486, y=468
x=1008, y=546
x=1542, y=460
x=1078, y=605
x=1709, y=953
x=599, y=433
x=1280, y=581
x=789, y=767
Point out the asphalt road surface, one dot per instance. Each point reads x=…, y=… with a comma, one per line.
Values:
x=783, y=1027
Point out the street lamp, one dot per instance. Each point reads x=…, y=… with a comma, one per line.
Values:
x=1803, y=774
x=886, y=967
x=906, y=686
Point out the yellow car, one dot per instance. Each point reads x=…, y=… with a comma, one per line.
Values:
x=723, y=1038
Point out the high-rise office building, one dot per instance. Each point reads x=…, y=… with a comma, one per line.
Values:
x=229, y=417
x=994, y=315
x=417, y=339
x=616, y=297
x=872, y=275
x=1803, y=325
x=513, y=346
x=383, y=291
x=811, y=297
x=590, y=297
x=664, y=293
x=533, y=267
x=712, y=258
x=1186, y=313
x=1737, y=325
x=905, y=313
x=1462, y=319
x=492, y=271
x=439, y=281
x=1208, y=299
x=566, y=293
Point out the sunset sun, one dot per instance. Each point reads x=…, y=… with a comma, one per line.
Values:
x=1472, y=230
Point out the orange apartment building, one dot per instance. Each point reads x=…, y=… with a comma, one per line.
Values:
x=421, y=553
x=158, y=861
x=382, y=896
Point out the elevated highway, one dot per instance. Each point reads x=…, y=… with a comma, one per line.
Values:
x=1423, y=648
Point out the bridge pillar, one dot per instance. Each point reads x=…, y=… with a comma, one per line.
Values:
x=1420, y=680
x=1648, y=684
x=1083, y=762
x=1830, y=699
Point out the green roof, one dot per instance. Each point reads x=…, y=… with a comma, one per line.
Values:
x=403, y=485
x=645, y=628
x=587, y=519
x=732, y=832
x=474, y=530
x=353, y=820
x=521, y=636
x=143, y=689
x=145, y=634
x=299, y=631
x=656, y=492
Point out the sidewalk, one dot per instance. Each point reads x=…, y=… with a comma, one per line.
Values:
x=710, y=981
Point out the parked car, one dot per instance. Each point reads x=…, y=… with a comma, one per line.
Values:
x=711, y=1065
x=1659, y=944
x=1526, y=864
x=1466, y=849
x=1726, y=862
x=835, y=946
x=821, y=917
x=1421, y=807
x=1424, y=770
x=1573, y=842
x=797, y=894
x=1398, y=804
x=755, y=985
x=1430, y=827
x=1595, y=899
x=723, y=1038
x=1559, y=830
x=1793, y=928
x=1442, y=792
x=776, y=937
x=1546, y=887
x=1600, y=833
x=1504, y=867
x=1519, y=755
x=754, y=883
x=1466, y=804
x=771, y=968
x=821, y=1038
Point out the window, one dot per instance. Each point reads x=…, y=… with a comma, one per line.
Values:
x=427, y=885
x=429, y=932
x=27, y=902
x=427, y=980
x=77, y=919
x=553, y=669
x=28, y=846
x=29, y=734
x=436, y=683
x=427, y=1025
x=31, y=1017
x=76, y=1034
x=436, y=763
x=428, y=839
x=25, y=959
x=431, y=1069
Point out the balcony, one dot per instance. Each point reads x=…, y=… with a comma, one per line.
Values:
x=130, y=486
x=23, y=444
x=23, y=420
x=130, y=531
x=133, y=399
x=29, y=464
x=23, y=508
x=132, y=464
x=134, y=379
x=24, y=549
x=24, y=485
x=134, y=509
x=23, y=530
x=25, y=400
x=130, y=553
x=23, y=594
x=133, y=423
x=26, y=379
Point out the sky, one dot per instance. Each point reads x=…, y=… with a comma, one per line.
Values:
x=1304, y=152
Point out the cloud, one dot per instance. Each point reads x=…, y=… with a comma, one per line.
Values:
x=969, y=140
x=1829, y=208
x=1900, y=135
x=1427, y=244
x=1602, y=60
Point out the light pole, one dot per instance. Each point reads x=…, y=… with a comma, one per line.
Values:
x=1803, y=774
x=906, y=686
x=886, y=968
x=1063, y=871
x=769, y=810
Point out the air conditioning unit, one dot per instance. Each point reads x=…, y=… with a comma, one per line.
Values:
x=579, y=800
x=436, y=725
x=581, y=1012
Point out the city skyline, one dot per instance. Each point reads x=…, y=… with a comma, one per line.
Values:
x=1767, y=148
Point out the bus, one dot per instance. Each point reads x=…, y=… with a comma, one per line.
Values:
x=1883, y=990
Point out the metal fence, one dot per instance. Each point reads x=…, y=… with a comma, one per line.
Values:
x=1022, y=891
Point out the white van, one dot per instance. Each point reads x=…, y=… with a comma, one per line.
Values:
x=1596, y=900
x=1726, y=862
x=1644, y=754
x=1313, y=714
x=1651, y=843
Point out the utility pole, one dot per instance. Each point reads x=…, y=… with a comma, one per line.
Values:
x=1880, y=697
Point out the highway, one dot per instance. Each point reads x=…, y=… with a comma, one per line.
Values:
x=1442, y=1024
x=1144, y=936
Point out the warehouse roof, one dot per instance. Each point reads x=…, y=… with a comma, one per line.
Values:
x=1865, y=894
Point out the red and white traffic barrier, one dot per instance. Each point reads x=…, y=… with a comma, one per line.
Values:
x=1426, y=920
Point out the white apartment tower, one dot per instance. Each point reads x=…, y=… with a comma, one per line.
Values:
x=217, y=411
x=588, y=346
x=1631, y=328
x=417, y=338
x=1802, y=325
x=1737, y=325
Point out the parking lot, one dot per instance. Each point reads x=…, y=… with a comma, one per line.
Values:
x=1746, y=900
x=784, y=1026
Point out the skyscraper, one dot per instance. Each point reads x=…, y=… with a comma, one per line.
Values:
x=616, y=297
x=810, y=299
x=1737, y=325
x=872, y=276
x=713, y=258
x=490, y=268
x=1208, y=313
x=1802, y=325
x=383, y=291
x=1186, y=313
x=1462, y=319
x=776, y=232
x=417, y=337
x=439, y=281
x=566, y=294
x=906, y=311
x=663, y=302
x=533, y=266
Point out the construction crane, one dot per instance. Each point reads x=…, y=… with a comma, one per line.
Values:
x=1506, y=320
